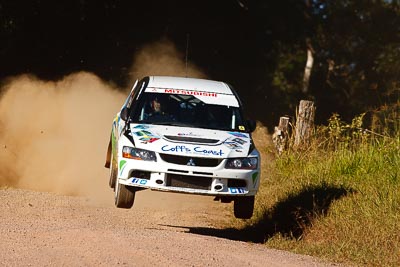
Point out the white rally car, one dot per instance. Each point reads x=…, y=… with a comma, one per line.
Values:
x=184, y=135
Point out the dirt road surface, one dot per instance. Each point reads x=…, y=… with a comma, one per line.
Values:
x=162, y=229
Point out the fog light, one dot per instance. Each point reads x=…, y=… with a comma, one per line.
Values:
x=218, y=187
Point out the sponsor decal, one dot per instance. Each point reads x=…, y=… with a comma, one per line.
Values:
x=254, y=177
x=237, y=190
x=208, y=152
x=117, y=118
x=188, y=134
x=122, y=164
x=188, y=92
x=143, y=133
x=195, y=150
x=146, y=140
x=240, y=141
x=232, y=145
x=141, y=126
x=235, y=143
x=118, y=125
x=113, y=145
x=237, y=134
x=176, y=148
x=206, y=97
x=181, y=92
x=139, y=181
x=146, y=136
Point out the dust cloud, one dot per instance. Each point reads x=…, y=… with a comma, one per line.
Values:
x=54, y=134
x=162, y=58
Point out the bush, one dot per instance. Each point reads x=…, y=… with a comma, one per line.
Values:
x=339, y=199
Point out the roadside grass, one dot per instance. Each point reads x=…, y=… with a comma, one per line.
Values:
x=338, y=198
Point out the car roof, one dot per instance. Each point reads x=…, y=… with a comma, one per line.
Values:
x=193, y=84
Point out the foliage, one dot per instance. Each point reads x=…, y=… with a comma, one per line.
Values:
x=260, y=47
x=386, y=119
x=339, y=200
x=355, y=46
x=340, y=134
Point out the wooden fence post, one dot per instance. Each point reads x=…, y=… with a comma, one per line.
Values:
x=304, y=123
x=280, y=137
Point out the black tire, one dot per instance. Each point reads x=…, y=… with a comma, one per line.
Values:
x=243, y=207
x=124, y=196
x=113, y=173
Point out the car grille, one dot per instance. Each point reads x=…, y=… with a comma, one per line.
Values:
x=187, y=181
x=236, y=183
x=182, y=160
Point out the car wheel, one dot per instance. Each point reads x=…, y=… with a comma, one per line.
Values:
x=113, y=173
x=243, y=207
x=124, y=196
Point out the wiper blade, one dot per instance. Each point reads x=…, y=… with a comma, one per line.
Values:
x=157, y=122
x=180, y=124
x=170, y=123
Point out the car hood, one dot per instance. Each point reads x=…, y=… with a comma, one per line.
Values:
x=196, y=142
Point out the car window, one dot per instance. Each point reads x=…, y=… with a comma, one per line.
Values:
x=185, y=110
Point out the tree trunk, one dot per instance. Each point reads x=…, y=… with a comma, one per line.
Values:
x=309, y=66
x=304, y=123
x=280, y=137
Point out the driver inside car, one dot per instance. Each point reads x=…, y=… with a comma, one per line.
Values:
x=158, y=112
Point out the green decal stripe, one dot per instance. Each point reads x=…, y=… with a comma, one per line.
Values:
x=122, y=163
x=254, y=176
x=113, y=145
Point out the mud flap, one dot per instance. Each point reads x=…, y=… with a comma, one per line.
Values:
x=108, y=158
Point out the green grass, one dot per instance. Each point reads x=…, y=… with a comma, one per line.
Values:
x=339, y=200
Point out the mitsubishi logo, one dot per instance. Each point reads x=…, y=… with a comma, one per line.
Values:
x=191, y=163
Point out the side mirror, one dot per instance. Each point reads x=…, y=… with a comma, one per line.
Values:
x=124, y=114
x=252, y=125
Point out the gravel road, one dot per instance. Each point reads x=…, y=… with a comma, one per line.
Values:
x=46, y=229
x=42, y=150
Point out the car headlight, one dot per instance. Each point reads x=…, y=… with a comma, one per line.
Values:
x=138, y=154
x=242, y=163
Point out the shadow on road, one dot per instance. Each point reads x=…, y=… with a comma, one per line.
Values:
x=290, y=217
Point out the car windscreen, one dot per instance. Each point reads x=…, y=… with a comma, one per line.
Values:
x=187, y=111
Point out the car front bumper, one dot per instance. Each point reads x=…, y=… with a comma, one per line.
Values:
x=213, y=181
